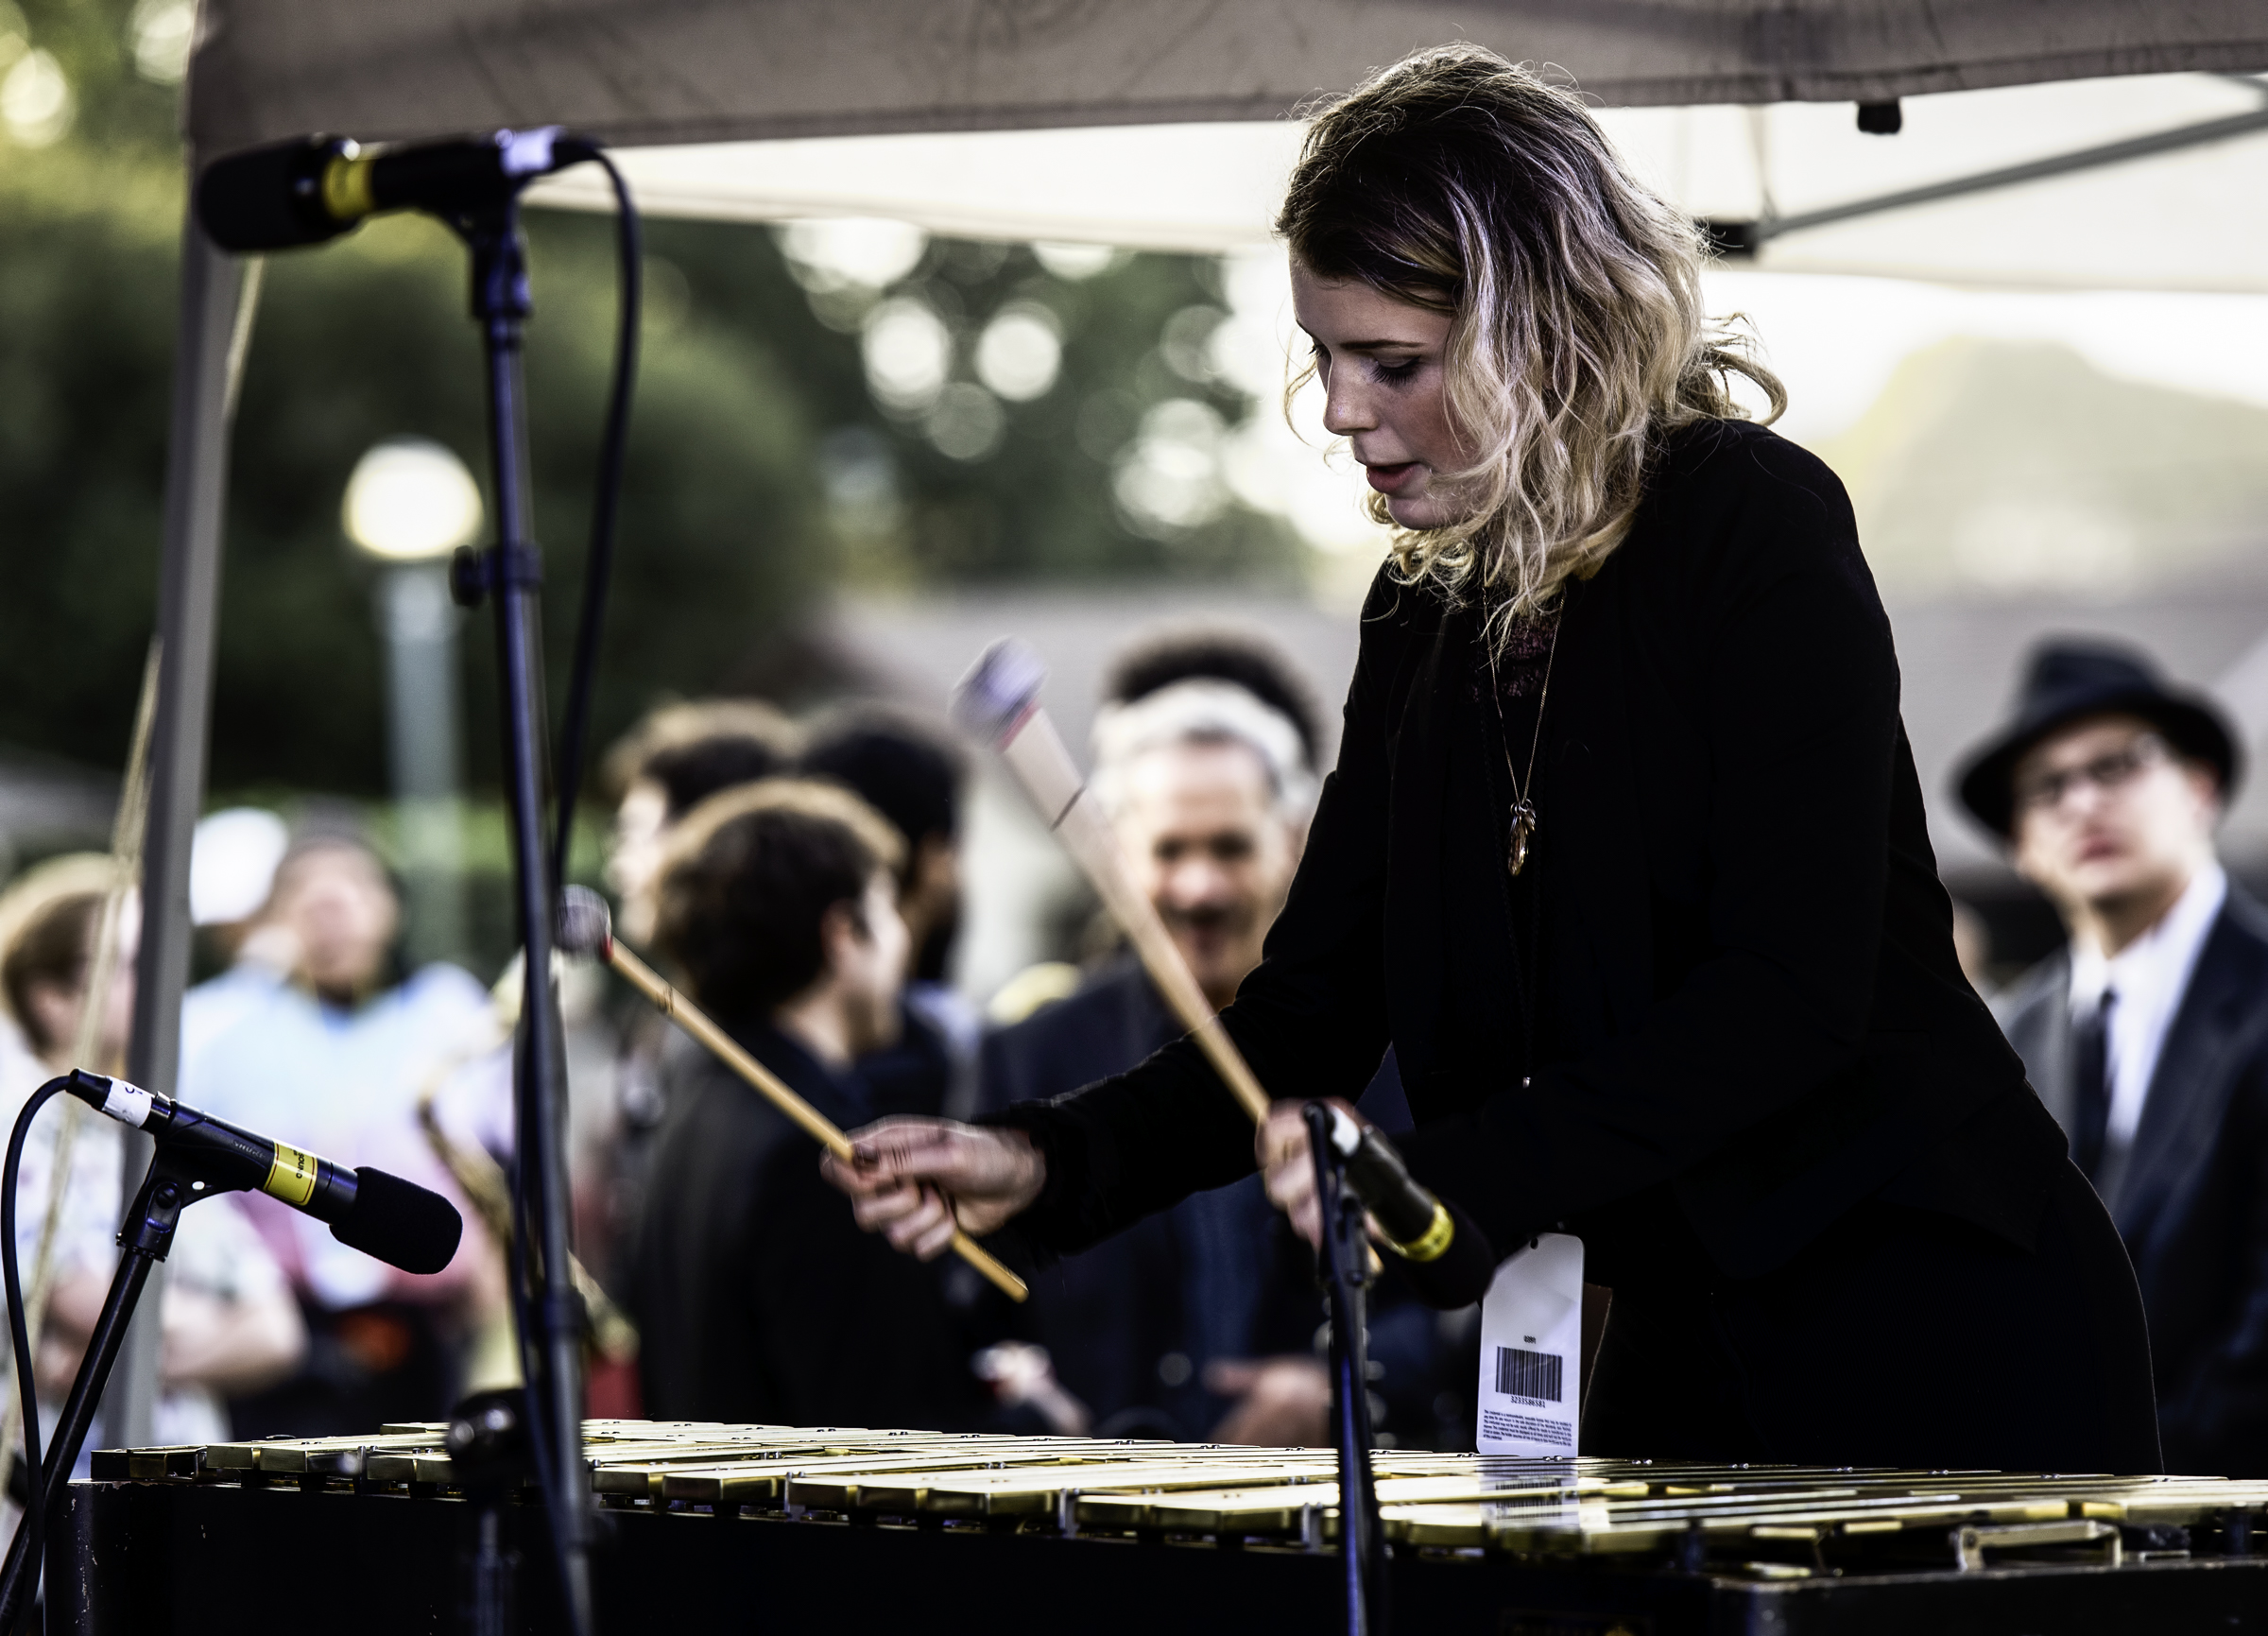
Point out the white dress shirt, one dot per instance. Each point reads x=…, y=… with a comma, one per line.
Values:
x=2149, y=976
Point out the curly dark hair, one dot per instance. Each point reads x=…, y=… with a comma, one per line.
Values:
x=690, y=773
x=1217, y=653
x=764, y=734
x=903, y=770
x=748, y=882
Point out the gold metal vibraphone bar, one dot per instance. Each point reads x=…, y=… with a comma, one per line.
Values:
x=1761, y=1520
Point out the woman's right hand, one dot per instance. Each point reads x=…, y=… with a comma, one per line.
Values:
x=914, y=1180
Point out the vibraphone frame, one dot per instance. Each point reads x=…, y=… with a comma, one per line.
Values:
x=854, y=1531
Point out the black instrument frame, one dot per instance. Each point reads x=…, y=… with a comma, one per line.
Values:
x=172, y=1558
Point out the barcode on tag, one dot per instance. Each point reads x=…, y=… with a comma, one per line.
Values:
x=1527, y=1374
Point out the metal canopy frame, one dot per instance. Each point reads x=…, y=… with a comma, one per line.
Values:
x=1745, y=237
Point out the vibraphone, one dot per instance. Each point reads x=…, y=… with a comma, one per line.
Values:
x=728, y=1528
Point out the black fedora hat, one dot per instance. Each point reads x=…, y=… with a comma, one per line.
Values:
x=2072, y=679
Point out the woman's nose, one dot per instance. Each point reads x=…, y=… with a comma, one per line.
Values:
x=1345, y=412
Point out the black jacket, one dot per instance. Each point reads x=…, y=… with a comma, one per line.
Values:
x=1131, y=1324
x=757, y=1298
x=1750, y=1015
x=2192, y=1201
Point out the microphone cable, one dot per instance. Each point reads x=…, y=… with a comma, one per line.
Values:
x=531, y=1194
x=19, y=1334
x=598, y=562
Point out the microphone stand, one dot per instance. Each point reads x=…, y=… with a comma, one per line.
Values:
x=488, y=1448
x=509, y=574
x=146, y=1235
x=1343, y=1262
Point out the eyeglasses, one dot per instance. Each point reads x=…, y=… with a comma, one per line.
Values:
x=2111, y=770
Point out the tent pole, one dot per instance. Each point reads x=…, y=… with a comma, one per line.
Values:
x=215, y=323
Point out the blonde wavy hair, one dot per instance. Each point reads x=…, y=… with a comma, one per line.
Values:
x=1464, y=183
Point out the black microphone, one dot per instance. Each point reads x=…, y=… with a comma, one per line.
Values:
x=1447, y=1258
x=399, y=1222
x=314, y=188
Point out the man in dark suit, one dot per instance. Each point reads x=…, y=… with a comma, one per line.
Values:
x=1197, y=1322
x=2147, y=1036
x=757, y=1298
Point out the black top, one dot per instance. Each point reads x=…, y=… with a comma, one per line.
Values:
x=1750, y=1015
x=912, y=1074
x=1509, y=692
x=1131, y=1324
x=757, y=1298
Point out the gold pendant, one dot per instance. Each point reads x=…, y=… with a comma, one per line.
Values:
x=1523, y=825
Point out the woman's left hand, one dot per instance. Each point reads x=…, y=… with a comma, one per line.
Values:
x=1290, y=1168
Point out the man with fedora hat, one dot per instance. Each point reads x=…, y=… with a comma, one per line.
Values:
x=2147, y=1036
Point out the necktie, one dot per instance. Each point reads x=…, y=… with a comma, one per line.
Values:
x=2090, y=1080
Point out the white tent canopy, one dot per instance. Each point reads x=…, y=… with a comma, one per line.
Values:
x=2155, y=223
x=642, y=72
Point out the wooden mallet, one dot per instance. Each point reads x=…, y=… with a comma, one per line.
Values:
x=999, y=702
x=587, y=929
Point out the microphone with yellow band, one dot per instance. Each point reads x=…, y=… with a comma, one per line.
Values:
x=399, y=1222
x=314, y=188
x=1447, y=1259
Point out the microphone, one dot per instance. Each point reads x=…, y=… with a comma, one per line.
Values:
x=399, y=1222
x=314, y=188
x=1447, y=1259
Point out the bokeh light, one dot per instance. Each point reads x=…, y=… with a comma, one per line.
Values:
x=831, y=252
x=908, y=354
x=1076, y=262
x=36, y=104
x=411, y=500
x=967, y=422
x=1170, y=479
x=1021, y=351
x=161, y=32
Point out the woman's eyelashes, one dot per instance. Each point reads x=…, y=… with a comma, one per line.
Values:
x=1388, y=375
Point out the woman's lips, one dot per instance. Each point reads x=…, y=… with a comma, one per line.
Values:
x=1386, y=479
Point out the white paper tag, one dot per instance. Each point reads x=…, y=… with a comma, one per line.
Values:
x=1531, y=1389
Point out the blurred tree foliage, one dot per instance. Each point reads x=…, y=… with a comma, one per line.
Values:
x=762, y=470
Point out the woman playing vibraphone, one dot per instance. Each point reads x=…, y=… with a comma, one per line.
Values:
x=1624, y=854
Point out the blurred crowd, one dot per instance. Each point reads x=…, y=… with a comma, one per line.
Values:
x=802, y=882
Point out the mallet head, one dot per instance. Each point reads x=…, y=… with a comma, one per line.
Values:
x=1000, y=691
x=586, y=930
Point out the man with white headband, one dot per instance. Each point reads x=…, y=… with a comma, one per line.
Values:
x=1211, y=791
x=1195, y=1323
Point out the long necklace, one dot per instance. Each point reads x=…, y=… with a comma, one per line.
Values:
x=1523, y=807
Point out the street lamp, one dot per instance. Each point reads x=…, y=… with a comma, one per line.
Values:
x=410, y=504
